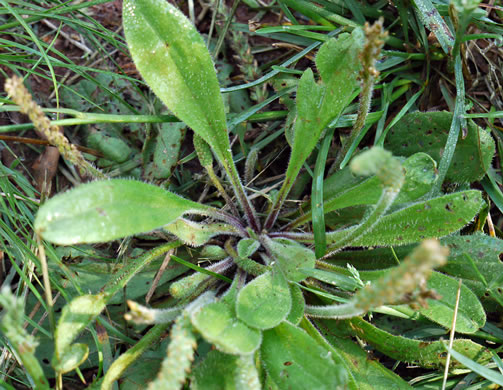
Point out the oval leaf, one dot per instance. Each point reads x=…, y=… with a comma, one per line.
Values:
x=265, y=301
x=219, y=326
x=484, y=252
x=173, y=59
x=428, y=131
x=295, y=361
x=471, y=316
x=292, y=258
x=106, y=210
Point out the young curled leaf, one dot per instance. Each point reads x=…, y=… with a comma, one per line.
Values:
x=75, y=316
x=197, y=234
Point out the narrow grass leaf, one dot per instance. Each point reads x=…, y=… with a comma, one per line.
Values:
x=432, y=20
x=484, y=372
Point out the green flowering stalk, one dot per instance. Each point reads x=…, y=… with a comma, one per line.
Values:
x=391, y=175
x=375, y=37
x=181, y=349
x=246, y=376
x=395, y=287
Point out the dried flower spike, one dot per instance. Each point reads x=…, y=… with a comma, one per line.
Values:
x=20, y=95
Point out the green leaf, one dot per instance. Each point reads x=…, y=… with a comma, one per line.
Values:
x=106, y=210
x=367, y=374
x=72, y=357
x=471, y=315
x=247, y=247
x=215, y=372
x=265, y=301
x=75, y=316
x=428, y=354
x=295, y=361
x=346, y=189
x=298, y=305
x=436, y=217
x=319, y=104
x=113, y=148
x=342, y=281
x=197, y=234
x=431, y=19
x=218, y=325
x=428, y=131
x=166, y=150
x=174, y=61
x=292, y=257
x=476, y=259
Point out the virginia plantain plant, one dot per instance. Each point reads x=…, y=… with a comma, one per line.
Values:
x=278, y=303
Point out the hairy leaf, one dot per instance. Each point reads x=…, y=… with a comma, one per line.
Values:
x=471, y=316
x=197, y=234
x=218, y=325
x=215, y=372
x=292, y=257
x=319, y=104
x=428, y=131
x=294, y=360
x=106, y=210
x=298, y=305
x=265, y=301
x=476, y=259
x=428, y=354
x=436, y=217
x=172, y=57
x=346, y=189
x=75, y=316
x=367, y=374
